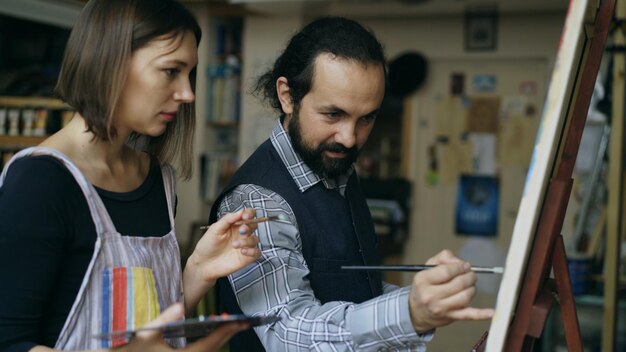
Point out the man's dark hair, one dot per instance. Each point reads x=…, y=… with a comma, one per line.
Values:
x=338, y=36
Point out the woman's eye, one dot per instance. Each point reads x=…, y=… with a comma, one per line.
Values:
x=171, y=71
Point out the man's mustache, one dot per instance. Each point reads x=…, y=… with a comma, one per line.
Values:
x=338, y=148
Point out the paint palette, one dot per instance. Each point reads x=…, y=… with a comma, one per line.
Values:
x=196, y=327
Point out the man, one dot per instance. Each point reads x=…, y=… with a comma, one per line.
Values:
x=328, y=86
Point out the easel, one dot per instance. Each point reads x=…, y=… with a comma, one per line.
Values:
x=548, y=251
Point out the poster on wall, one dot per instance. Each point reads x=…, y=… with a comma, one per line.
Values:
x=477, y=204
x=484, y=83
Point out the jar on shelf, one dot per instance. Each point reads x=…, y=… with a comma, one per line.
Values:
x=28, y=119
x=3, y=121
x=14, y=122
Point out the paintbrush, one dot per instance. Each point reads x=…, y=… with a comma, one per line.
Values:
x=476, y=269
x=282, y=217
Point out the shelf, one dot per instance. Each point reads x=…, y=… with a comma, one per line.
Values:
x=20, y=141
x=595, y=300
x=20, y=102
x=600, y=278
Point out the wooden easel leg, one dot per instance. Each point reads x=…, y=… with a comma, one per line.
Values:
x=614, y=220
x=566, y=297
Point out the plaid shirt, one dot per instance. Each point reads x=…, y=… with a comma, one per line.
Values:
x=276, y=283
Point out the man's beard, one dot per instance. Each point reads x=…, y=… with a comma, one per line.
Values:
x=314, y=157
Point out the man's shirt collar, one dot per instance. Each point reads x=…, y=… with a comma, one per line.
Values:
x=301, y=173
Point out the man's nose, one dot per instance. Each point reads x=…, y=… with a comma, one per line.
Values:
x=346, y=135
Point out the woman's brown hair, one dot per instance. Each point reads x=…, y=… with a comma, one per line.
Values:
x=95, y=64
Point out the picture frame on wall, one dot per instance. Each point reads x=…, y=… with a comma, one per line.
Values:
x=481, y=30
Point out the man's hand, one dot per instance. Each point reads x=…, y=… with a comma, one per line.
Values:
x=441, y=295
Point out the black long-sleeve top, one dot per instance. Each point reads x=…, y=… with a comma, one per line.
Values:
x=47, y=238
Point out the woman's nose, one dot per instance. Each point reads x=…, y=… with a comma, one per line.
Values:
x=184, y=93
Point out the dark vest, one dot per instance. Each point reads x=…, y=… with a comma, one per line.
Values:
x=334, y=231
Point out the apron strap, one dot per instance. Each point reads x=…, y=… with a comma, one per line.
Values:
x=169, y=184
x=98, y=212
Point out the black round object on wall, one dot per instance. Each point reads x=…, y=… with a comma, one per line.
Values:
x=407, y=73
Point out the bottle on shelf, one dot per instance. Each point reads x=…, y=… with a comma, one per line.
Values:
x=41, y=121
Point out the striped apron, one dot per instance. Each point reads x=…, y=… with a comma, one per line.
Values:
x=129, y=280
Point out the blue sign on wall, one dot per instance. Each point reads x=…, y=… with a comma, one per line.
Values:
x=477, y=204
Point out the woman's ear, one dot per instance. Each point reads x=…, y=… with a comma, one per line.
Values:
x=284, y=95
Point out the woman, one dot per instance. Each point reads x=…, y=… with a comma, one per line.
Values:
x=87, y=243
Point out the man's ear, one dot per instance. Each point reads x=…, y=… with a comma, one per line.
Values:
x=284, y=95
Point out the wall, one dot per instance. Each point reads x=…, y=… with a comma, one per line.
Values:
x=190, y=207
x=263, y=40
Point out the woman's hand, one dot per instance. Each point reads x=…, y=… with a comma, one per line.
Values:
x=226, y=247
x=223, y=249
x=153, y=340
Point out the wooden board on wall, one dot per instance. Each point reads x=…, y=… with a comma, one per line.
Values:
x=432, y=214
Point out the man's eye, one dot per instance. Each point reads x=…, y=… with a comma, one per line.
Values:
x=332, y=114
x=368, y=118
